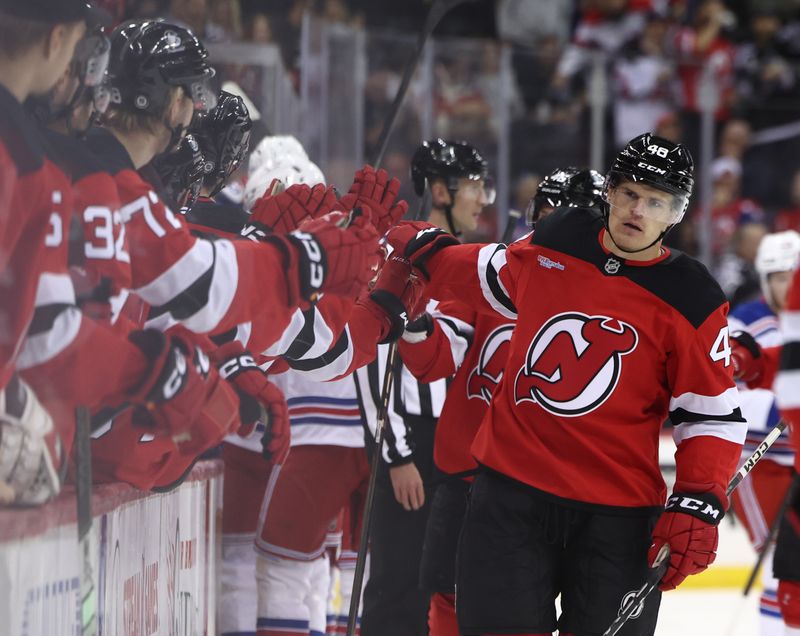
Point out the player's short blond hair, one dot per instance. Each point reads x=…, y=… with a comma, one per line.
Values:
x=125, y=120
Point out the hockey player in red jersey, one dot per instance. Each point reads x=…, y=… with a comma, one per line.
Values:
x=433, y=348
x=158, y=78
x=614, y=333
x=136, y=371
x=787, y=388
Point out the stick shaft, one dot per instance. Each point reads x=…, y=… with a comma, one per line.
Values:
x=661, y=564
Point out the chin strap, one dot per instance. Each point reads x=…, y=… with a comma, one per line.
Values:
x=448, y=213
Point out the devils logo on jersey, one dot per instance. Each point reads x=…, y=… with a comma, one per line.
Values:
x=484, y=377
x=574, y=362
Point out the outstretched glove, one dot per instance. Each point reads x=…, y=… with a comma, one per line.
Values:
x=376, y=191
x=395, y=298
x=748, y=365
x=284, y=212
x=260, y=401
x=689, y=526
x=418, y=242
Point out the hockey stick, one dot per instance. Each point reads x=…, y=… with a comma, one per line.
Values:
x=437, y=11
x=661, y=562
x=83, y=495
x=773, y=532
x=435, y=14
x=511, y=224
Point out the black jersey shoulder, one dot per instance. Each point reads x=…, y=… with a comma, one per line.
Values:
x=20, y=135
x=72, y=155
x=679, y=280
x=218, y=216
x=109, y=150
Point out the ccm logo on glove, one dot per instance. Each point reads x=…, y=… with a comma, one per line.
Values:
x=314, y=253
x=232, y=367
x=707, y=510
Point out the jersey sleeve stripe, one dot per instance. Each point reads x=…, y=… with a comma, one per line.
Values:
x=330, y=364
x=54, y=289
x=47, y=344
x=185, y=271
x=707, y=405
x=295, y=326
x=786, y=388
x=731, y=431
x=491, y=260
x=211, y=307
x=457, y=336
x=790, y=325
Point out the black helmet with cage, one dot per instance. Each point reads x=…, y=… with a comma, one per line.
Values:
x=449, y=161
x=150, y=58
x=181, y=173
x=223, y=134
x=571, y=187
x=658, y=163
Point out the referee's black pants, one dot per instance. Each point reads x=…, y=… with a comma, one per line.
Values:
x=394, y=605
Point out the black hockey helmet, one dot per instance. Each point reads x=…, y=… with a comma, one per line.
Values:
x=224, y=138
x=182, y=172
x=148, y=57
x=659, y=163
x=572, y=187
x=447, y=160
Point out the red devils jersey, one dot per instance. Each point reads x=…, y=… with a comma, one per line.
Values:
x=29, y=188
x=210, y=286
x=787, y=383
x=478, y=370
x=603, y=351
x=99, y=257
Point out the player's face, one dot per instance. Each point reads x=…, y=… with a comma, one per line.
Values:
x=779, y=283
x=58, y=51
x=636, y=213
x=471, y=197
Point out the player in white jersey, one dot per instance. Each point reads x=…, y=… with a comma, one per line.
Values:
x=758, y=498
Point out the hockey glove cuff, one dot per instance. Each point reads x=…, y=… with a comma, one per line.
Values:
x=689, y=526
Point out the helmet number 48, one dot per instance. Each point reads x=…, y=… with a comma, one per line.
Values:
x=654, y=149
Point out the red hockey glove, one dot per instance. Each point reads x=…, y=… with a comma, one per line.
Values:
x=348, y=254
x=789, y=599
x=395, y=297
x=689, y=526
x=173, y=387
x=748, y=364
x=419, y=241
x=377, y=192
x=284, y=212
x=260, y=400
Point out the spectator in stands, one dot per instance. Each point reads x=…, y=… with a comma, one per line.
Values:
x=642, y=82
x=736, y=273
x=194, y=14
x=669, y=127
x=604, y=26
x=766, y=78
x=735, y=138
x=789, y=218
x=704, y=44
x=729, y=209
x=228, y=15
x=259, y=29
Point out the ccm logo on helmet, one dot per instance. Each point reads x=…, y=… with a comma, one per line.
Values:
x=649, y=168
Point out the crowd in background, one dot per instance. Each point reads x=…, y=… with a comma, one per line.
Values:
x=654, y=53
